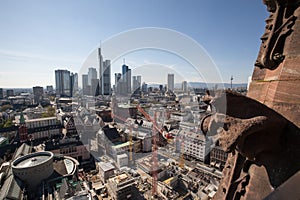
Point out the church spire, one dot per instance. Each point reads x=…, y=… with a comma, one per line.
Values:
x=22, y=118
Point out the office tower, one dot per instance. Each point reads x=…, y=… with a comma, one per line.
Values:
x=73, y=83
x=117, y=87
x=63, y=83
x=104, y=75
x=144, y=87
x=92, y=74
x=9, y=93
x=136, y=82
x=38, y=94
x=95, y=87
x=1, y=93
x=85, y=83
x=106, y=85
x=170, y=82
x=126, y=78
x=139, y=80
x=184, y=86
x=101, y=70
x=49, y=89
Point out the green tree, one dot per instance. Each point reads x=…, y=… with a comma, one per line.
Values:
x=5, y=107
x=50, y=112
x=8, y=123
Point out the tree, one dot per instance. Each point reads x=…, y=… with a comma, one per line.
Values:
x=50, y=112
x=5, y=107
x=8, y=123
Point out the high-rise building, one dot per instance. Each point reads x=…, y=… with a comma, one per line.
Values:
x=49, y=89
x=85, y=83
x=184, y=87
x=104, y=75
x=92, y=74
x=101, y=70
x=106, y=85
x=117, y=87
x=95, y=87
x=136, y=82
x=38, y=94
x=1, y=93
x=144, y=87
x=63, y=83
x=139, y=80
x=126, y=78
x=74, y=83
x=170, y=82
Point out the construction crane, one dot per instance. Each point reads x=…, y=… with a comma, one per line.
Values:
x=165, y=134
x=154, y=158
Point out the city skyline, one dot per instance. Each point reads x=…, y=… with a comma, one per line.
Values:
x=36, y=40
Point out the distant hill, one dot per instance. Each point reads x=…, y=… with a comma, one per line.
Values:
x=212, y=85
x=205, y=85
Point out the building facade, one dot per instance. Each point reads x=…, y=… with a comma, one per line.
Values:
x=120, y=187
x=85, y=84
x=104, y=75
x=193, y=145
x=184, y=87
x=92, y=74
x=62, y=83
x=38, y=94
x=170, y=82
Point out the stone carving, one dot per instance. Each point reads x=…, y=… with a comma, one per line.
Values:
x=278, y=26
x=263, y=145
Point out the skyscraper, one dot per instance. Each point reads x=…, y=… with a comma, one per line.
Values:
x=85, y=83
x=104, y=75
x=170, y=82
x=95, y=87
x=139, y=80
x=136, y=82
x=38, y=94
x=106, y=85
x=126, y=78
x=117, y=87
x=62, y=83
x=66, y=83
x=49, y=89
x=184, y=86
x=144, y=87
x=92, y=74
x=101, y=70
x=74, y=83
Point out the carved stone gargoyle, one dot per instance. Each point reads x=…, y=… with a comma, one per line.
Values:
x=278, y=26
x=263, y=145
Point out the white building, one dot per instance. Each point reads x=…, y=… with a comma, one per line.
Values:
x=122, y=160
x=192, y=144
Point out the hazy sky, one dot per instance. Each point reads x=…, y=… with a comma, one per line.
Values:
x=37, y=37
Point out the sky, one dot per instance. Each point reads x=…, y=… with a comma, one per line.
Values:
x=38, y=37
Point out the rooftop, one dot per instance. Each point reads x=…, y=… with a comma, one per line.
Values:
x=31, y=160
x=106, y=166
